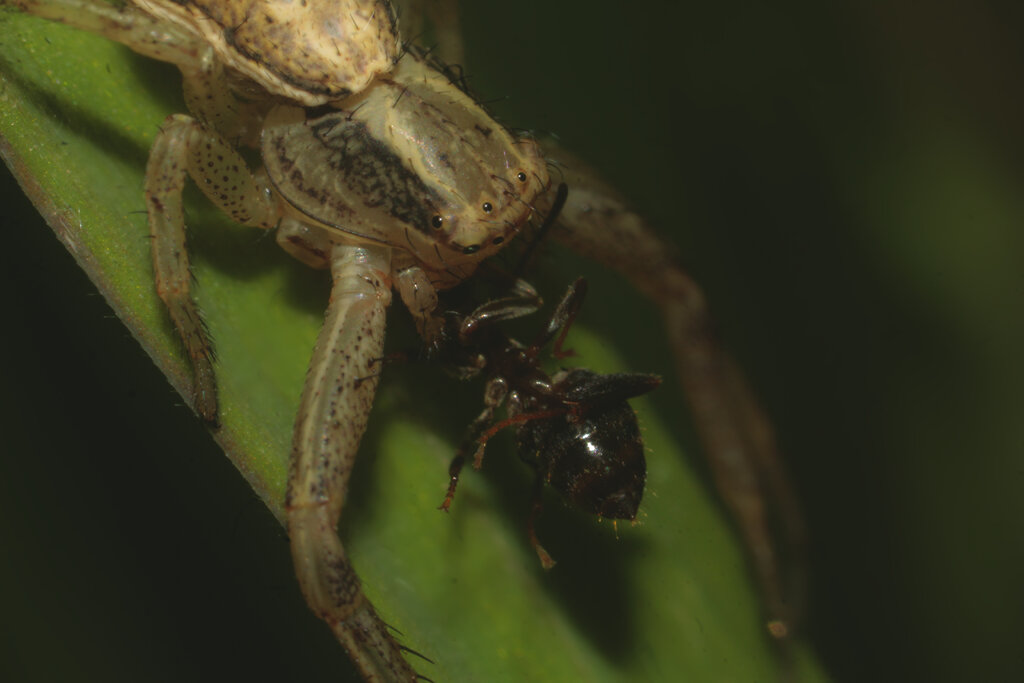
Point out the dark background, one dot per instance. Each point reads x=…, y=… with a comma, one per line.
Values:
x=846, y=181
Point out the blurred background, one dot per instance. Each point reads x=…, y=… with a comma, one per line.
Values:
x=845, y=179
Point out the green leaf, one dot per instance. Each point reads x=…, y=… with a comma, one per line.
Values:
x=667, y=599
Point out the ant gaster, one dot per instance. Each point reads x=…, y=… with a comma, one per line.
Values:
x=575, y=428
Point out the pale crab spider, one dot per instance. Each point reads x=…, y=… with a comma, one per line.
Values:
x=430, y=239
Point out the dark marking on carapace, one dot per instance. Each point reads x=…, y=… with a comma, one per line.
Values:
x=373, y=172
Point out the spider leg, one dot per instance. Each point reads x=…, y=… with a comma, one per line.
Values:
x=737, y=436
x=442, y=19
x=127, y=25
x=336, y=402
x=184, y=146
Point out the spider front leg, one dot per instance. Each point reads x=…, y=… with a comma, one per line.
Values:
x=737, y=436
x=184, y=146
x=125, y=24
x=336, y=402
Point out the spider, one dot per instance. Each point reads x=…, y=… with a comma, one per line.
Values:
x=442, y=250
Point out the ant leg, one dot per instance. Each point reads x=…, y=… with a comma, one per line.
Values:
x=561, y=320
x=443, y=19
x=522, y=300
x=494, y=395
x=737, y=436
x=336, y=402
x=510, y=421
x=536, y=506
x=454, y=469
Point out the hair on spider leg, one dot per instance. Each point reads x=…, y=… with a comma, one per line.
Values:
x=409, y=650
x=390, y=357
x=358, y=381
x=211, y=349
x=406, y=648
x=455, y=73
x=494, y=100
x=409, y=44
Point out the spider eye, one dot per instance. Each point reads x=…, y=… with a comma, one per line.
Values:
x=436, y=222
x=487, y=207
x=521, y=177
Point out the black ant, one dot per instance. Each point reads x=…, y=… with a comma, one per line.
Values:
x=575, y=428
